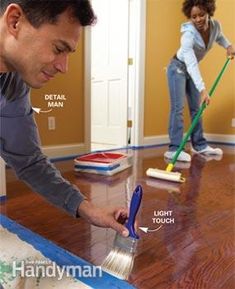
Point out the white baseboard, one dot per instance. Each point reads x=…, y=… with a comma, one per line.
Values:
x=156, y=140
x=164, y=139
x=221, y=138
x=64, y=150
x=80, y=148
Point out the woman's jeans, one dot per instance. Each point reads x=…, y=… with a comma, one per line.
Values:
x=181, y=85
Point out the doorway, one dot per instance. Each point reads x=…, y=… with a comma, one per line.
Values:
x=114, y=67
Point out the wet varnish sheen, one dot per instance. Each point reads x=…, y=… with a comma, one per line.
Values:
x=194, y=252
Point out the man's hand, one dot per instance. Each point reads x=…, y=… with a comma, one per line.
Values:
x=106, y=218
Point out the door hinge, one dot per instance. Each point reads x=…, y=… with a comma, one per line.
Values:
x=130, y=61
x=129, y=123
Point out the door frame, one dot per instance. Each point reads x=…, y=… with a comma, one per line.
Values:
x=136, y=97
x=2, y=179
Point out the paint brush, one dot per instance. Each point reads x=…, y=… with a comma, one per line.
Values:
x=120, y=260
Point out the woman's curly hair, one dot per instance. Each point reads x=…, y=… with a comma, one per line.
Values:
x=207, y=5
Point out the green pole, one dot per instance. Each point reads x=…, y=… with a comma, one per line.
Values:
x=198, y=115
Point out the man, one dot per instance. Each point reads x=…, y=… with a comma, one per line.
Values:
x=36, y=38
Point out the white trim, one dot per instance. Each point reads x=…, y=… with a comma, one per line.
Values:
x=87, y=88
x=2, y=178
x=164, y=139
x=64, y=150
x=139, y=73
x=80, y=148
x=220, y=138
x=156, y=140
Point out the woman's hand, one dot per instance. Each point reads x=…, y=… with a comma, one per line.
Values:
x=230, y=51
x=205, y=97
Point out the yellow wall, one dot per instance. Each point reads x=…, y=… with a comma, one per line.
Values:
x=218, y=117
x=162, y=40
x=70, y=118
x=163, y=35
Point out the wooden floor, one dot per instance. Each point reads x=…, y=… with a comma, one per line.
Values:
x=194, y=252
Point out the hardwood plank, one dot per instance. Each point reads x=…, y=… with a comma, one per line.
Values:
x=194, y=252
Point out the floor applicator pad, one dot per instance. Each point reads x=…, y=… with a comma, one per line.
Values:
x=164, y=175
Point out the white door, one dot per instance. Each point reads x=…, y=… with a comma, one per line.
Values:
x=109, y=71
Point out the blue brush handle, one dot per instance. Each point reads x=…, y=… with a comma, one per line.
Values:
x=134, y=207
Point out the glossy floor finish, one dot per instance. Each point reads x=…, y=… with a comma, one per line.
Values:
x=194, y=250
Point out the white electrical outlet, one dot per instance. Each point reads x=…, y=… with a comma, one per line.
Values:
x=51, y=122
x=233, y=122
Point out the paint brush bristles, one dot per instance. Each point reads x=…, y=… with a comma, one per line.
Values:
x=120, y=260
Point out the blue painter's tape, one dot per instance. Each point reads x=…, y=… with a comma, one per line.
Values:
x=3, y=199
x=62, y=257
x=110, y=168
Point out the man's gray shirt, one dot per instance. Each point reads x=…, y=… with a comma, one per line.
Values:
x=20, y=146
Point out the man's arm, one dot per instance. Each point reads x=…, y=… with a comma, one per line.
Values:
x=20, y=148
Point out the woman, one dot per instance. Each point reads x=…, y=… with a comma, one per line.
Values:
x=184, y=77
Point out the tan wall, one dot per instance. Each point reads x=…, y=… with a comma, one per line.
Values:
x=163, y=23
x=218, y=117
x=162, y=40
x=70, y=118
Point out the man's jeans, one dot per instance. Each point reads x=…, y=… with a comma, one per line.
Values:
x=181, y=85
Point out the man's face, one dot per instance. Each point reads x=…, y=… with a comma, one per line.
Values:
x=38, y=54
